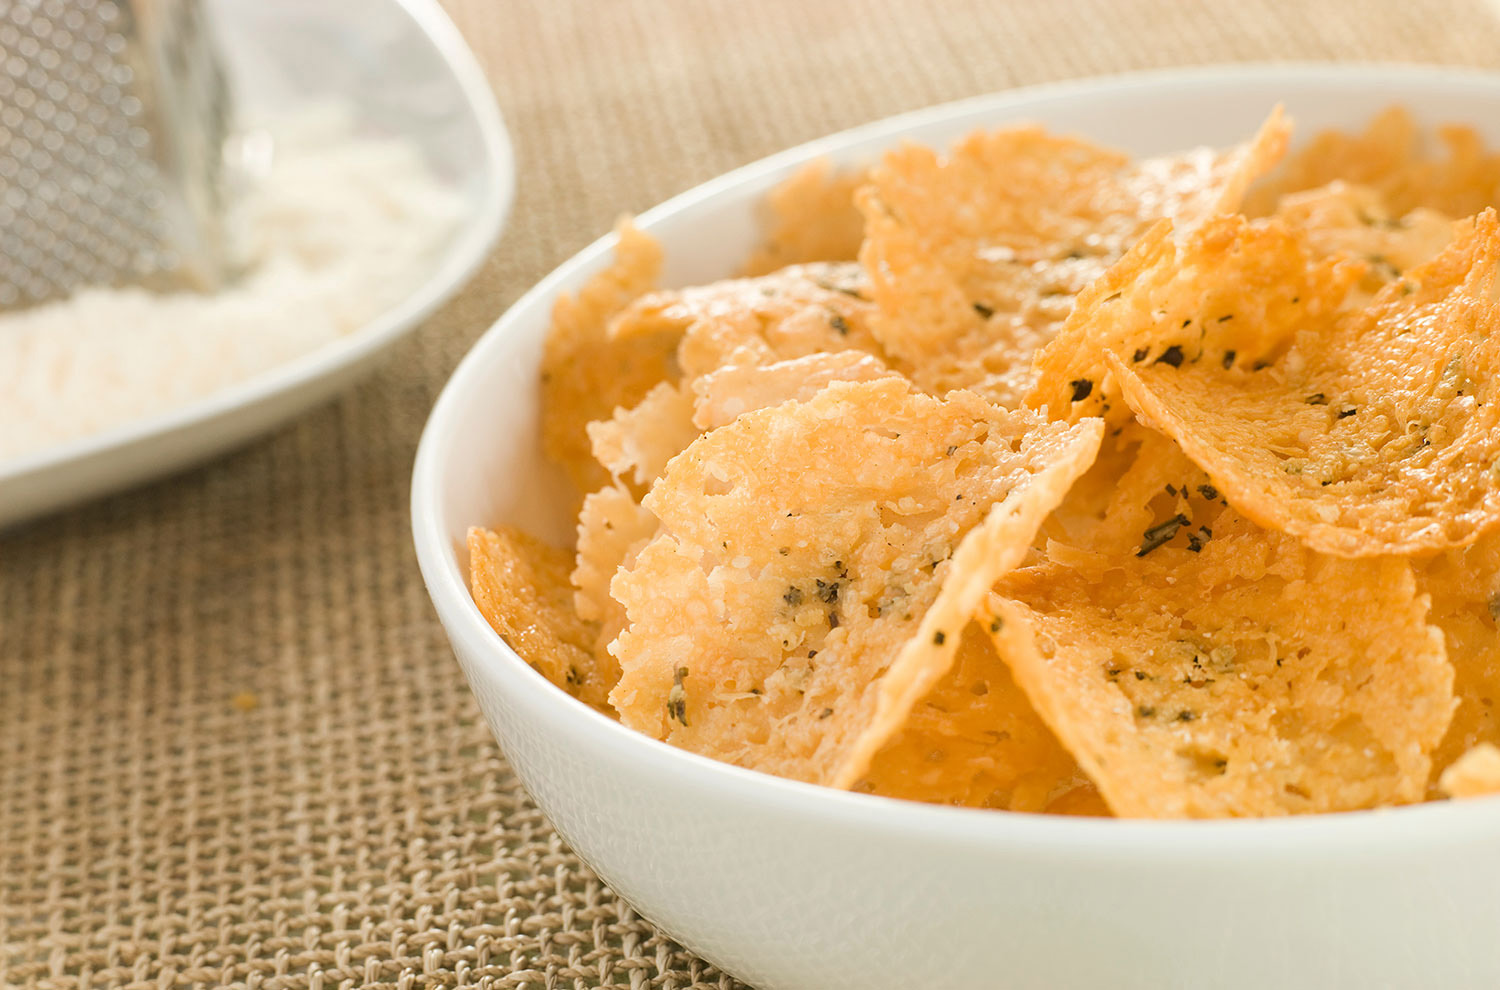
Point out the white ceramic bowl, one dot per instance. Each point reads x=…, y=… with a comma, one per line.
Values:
x=794, y=886
x=405, y=72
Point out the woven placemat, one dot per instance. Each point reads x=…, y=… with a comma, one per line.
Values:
x=234, y=747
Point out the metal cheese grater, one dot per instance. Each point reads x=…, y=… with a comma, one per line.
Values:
x=113, y=118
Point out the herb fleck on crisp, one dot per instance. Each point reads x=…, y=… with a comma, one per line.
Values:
x=1082, y=388
x=983, y=310
x=829, y=286
x=840, y=324
x=1171, y=356
x=1160, y=533
x=677, y=698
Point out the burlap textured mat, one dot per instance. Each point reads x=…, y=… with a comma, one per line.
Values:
x=234, y=748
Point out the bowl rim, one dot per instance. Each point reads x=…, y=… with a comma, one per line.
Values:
x=461, y=259
x=1320, y=835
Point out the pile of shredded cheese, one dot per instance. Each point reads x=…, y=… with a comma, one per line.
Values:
x=337, y=229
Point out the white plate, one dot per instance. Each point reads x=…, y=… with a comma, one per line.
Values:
x=793, y=886
x=403, y=66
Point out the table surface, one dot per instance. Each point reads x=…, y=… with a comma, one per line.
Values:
x=234, y=746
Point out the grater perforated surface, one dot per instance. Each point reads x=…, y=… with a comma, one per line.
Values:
x=112, y=117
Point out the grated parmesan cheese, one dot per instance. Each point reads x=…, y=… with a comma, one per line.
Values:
x=339, y=228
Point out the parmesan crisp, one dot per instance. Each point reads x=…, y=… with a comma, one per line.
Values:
x=1025, y=476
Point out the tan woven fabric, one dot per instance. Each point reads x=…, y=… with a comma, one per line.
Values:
x=234, y=748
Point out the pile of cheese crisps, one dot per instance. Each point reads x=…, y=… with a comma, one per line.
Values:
x=1023, y=475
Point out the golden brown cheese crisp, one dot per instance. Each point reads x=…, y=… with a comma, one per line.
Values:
x=975, y=258
x=1079, y=518
x=586, y=375
x=1391, y=157
x=1232, y=296
x=725, y=394
x=804, y=553
x=974, y=740
x=1251, y=677
x=811, y=216
x=1156, y=497
x=1050, y=501
x=1465, y=589
x=802, y=310
x=1475, y=774
x=635, y=444
x=1375, y=429
x=1341, y=220
x=521, y=586
x=1050, y=461
x=612, y=528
